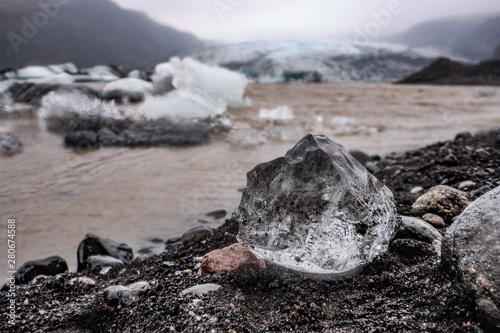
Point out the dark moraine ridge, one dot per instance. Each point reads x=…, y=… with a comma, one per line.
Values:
x=446, y=71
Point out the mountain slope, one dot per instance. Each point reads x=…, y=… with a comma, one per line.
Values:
x=86, y=32
x=473, y=38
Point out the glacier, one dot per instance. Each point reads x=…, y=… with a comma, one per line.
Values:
x=273, y=61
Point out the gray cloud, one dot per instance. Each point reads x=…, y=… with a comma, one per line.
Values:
x=239, y=20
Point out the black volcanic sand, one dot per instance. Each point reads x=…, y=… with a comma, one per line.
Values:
x=467, y=157
x=404, y=290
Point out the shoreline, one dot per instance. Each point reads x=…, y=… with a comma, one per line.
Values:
x=403, y=289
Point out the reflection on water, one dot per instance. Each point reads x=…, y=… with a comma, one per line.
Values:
x=58, y=195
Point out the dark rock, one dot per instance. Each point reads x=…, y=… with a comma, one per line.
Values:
x=412, y=227
x=164, y=132
x=444, y=201
x=81, y=139
x=90, y=132
x=113, y=292
x=318, y=204
x=32, y=93
x=48, y=266
x=303, y=76
x=217, y=214
x=471, y=250
x=440, y=69
x=360, y=156
x=9, y=144
x=102, y=261
x=197, y=234
x=435, y=220
x=94, y=245
x=122, y=96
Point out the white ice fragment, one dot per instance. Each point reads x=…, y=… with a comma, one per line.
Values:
x=281, y=113
x=65, y=105
x=6, y=102
x=342, y=125
x=181, y=103
x=129, y=85
x=99, y=74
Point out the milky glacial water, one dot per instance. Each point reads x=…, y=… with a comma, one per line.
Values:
x=57, y=195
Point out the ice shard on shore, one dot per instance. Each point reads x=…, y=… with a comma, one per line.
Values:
x=316, y=210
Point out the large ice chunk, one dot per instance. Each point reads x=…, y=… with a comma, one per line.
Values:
x=214, y=81
x=6, y=102
x=181, y=103
x=316, y=210
x=66, y=105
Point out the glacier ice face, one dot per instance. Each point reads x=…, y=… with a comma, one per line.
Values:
x=181, y=103
x=316, y=210
x=66, y=105
x=214, y=81
x=270, y=61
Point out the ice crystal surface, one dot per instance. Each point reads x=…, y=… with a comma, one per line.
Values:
x=316, y=210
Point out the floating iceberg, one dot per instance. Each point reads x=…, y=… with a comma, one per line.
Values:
x=342, y=125
x=9, y=144
x=181, y=103
x=6, y=102
x=129, y=85
x=40, y=72
x=316, y=210
x=214, y=81
x=98, y=74
x=66, y=105
x=281, y=113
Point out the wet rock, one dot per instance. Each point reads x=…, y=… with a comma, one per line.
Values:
x=444, y=201
x=81, y=139
x=434, y=219
x=471, y=249
x=217, y=214
x=466, y=184
x=9, y=144
x=201, y=289
x=316, y=210
x=416, y=189
x=133, y=289
x=49, y=266
x=102, y=261
x=360, y=156
x=93, y=245
x=196, y=234
x=32, y=93
x=414, y=228
x=229, y=259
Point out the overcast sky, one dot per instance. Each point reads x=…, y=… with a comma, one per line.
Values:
x=243, y=20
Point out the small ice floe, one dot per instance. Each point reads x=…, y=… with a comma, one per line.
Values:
x=282, y=113
x=65, y=105
x=342, y=125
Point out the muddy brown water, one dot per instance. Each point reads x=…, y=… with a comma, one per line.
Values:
x=58, y=195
